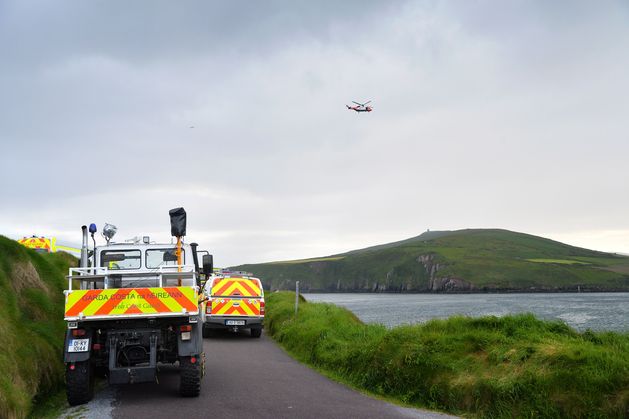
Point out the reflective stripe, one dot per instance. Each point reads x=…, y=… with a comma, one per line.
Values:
x=36, y=243
x=236, y=306
x=236, y=286
x=124, y=301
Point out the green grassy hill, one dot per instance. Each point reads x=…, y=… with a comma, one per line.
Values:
x=31, y=325
x=454, y=261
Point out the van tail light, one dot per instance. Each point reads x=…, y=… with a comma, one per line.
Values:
x=186, y=328
x=262, y=307
x=78, y=332
x=208, y=307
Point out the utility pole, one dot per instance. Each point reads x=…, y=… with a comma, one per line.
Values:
x=296, y=297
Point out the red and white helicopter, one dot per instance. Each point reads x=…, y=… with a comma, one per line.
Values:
x=360, y=107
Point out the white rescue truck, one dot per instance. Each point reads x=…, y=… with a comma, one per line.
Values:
x=132, y=306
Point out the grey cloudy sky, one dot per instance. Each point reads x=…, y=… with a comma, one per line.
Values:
x=507, y=114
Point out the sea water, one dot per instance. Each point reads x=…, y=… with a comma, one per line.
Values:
x=596, y=311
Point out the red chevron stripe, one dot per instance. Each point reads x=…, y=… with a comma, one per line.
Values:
x=216, y=307
x=234, y=309
x=133, y=310
x=83, y=302
x=253, y=307
x=181, y=299
x=240, y=310
x=223, y=288
x=150, y=298
x=246, y=286
x=113, y=301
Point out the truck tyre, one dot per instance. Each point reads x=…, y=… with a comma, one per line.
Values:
x=80, y=383
x=256, y=333
x=207, y=332
x=190, y=376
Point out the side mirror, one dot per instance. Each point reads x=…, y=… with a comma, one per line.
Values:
x=208, y=265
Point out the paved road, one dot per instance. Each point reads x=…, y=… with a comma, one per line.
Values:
x=248, y=377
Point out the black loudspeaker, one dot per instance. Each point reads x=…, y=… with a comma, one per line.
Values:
x=177, y=222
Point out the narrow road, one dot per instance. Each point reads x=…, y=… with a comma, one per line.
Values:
x=248, y=377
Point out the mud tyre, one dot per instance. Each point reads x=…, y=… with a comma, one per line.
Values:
x=80, y=383
x=207, y=332
x=256, y=333
x=190, y=376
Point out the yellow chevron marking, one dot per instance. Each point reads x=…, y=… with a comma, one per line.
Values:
x=236, y=284
x=157, y=301
x=171, y=303
x=248, y=311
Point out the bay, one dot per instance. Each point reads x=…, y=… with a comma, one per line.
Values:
x=596, y=311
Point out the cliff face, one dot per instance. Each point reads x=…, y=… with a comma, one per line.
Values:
x=460, y=261
x=321, y=276
x=437, y=283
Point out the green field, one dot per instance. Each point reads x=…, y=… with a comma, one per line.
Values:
x=31, y=325
x=454, y=261
x=559, y=261
x=323, y=259
x=513, y=366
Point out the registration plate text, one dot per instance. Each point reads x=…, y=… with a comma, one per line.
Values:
x=79, y=345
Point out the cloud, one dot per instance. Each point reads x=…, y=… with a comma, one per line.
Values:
x=486, y=115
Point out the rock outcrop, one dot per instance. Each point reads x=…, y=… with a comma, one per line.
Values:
x=436, y=283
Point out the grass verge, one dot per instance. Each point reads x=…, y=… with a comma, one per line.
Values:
x=513, y=366
x=31, y=326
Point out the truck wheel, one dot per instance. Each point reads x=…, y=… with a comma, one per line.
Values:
x=190, y=376
x=101, y=371
x=256, y=333
x=207, y=332
x=80, y=383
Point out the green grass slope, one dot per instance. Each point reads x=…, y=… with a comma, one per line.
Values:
x=456, y=261
x=31, y=325
x=508, y=367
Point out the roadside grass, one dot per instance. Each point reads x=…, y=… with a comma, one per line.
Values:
x=50, y=406
x=513, y=366
x=31, y=326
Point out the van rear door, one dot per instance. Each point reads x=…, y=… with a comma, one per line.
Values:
x=235, y=296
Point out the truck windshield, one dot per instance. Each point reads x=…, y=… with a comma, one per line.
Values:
x=163, y=257
x=121, y=259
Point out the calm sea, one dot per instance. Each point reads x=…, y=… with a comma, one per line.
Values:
x=596, y=311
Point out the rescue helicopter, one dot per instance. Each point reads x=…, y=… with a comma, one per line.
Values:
x=360, y=107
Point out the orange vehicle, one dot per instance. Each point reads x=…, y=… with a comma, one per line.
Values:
x=234, y=303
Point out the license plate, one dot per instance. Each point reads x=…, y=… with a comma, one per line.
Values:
x=79, y=345
x=234, y=322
